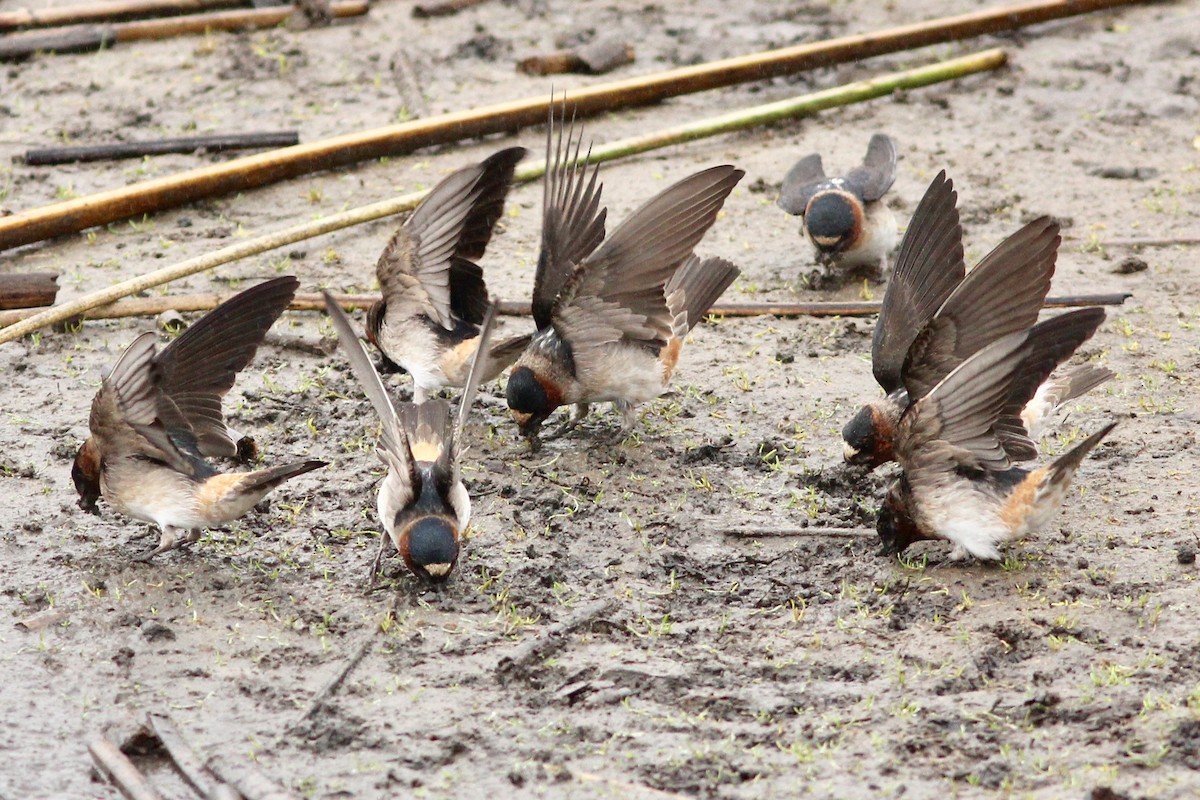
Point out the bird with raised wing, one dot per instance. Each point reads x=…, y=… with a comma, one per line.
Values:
x=612, y=312
x=158, y=415
x=955, y=445
x=935, y=315
x=423, y=504
x=434, y=295
x=845, y=217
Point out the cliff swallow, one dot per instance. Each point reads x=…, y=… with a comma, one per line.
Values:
x=158, y=414
x=954, y=443
x=434, y=295
x=933, y=317
x=845, y=218
x=612, y=313
x=423, y=505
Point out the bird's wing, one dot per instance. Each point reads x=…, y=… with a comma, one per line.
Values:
x=952, y=426
x=875, y=176
x=195, y=371
x=621, y=285
x=1002, y=295
x=126, y=419
x=430, y=259
x=1050, y=342
x=800, y=184
x=572, y=218
x=393, y=448
x=928, y=266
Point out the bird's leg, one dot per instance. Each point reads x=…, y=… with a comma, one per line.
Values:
x=629, y=418
x=420, y=393
x=168, y=541
x=578, y=412
x=378, y=562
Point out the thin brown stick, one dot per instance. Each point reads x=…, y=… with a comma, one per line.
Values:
x=28, y=289
x=814, y=530
x=443, y=8
x=17, y=47
x=257, y=170
x=334, y=683
x=119, y=770
x=227, y=20
x=153, y=306
x=81, y=13
x=189, y=764
x=212, y=143
x=253, y=784
x=551, y=638
x=1152, y=242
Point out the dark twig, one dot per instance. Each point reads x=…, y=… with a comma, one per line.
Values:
x=28, y=289
x=189, y=764
x=333, y=684
x=552, y=637
x=765, y=533
x=213, y=143
x=443, y=8
x=117, y=767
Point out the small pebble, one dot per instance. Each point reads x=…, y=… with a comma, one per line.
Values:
x=1185, y=555
x=1081, y=563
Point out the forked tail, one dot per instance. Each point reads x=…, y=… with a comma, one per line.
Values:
x=694, y=288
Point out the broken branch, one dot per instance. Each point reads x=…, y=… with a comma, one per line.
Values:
x=595, y=58
x=28, y=289
x=189, y=764
x=552, y=637
x=1151, y=242
x=257, y=170
x=117, y=767
x=766, y=533
x=249, y=781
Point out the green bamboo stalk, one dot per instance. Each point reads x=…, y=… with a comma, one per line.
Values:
x=734, y=121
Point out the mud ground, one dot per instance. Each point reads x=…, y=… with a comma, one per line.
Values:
x=714, y=665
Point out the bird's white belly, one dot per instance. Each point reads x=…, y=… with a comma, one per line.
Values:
x=621, y=373
x=152, y=494
x=416, y=349
x=878, y=237
x=964, y=520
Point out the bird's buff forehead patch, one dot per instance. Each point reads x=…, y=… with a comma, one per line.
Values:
x=521, y=417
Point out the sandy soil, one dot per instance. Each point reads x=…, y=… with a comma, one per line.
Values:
x=716, y=666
